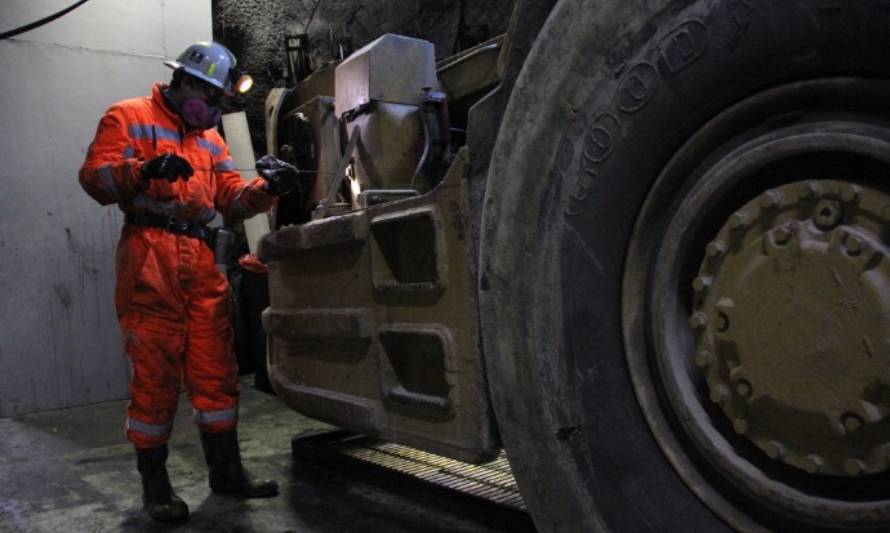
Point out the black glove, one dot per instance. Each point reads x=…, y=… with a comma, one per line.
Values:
x=281, y=177
x=168, y=167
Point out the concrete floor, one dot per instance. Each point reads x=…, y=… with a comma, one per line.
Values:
x=73, y=471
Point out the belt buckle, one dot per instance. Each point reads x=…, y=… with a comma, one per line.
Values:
x=177, y=225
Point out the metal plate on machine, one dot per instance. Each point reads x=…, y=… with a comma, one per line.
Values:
x=392, y=69
x=492, y=481
x=373, y=326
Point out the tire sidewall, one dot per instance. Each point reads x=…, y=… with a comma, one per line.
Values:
x=607, y=96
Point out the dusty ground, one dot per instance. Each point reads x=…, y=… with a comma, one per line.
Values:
x=72, y=471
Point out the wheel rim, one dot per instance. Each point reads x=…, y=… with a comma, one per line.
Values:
x=774, y=171
x=813, y=401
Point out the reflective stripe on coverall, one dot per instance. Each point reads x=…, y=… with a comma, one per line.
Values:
x=172, y=302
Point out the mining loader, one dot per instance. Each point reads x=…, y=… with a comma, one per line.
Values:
x=641, y=246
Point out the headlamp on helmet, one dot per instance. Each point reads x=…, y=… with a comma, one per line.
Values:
x=241, y=82
x=215, y=64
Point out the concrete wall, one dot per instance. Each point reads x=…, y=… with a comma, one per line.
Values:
x=59, y=339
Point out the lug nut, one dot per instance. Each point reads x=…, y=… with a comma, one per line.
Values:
x=704, y=359
x=810, y=190
x=715, y=248
x=698, y=320
x=851, y=422
x=775, y=450
x=740, y=425
x=738, y=220
x=854, y=467
x=813, y=463
x=719, y=394
x=782, y=235
x=743, y=388
x=828, y=214
x=701, y=283
x=850, y=193
x=769, y=200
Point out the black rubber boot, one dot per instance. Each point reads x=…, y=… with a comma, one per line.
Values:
x=227, y=475
x=158, y=497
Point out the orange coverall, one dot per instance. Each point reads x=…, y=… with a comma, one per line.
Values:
x=172, y=302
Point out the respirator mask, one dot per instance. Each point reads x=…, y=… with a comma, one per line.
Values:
x=202, y=113
x=196, y=113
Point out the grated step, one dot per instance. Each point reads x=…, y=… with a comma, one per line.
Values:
x=492, y=481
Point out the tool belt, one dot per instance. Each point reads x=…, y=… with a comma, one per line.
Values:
x=177, y=225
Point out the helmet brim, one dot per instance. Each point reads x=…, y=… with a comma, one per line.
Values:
x=176, y=65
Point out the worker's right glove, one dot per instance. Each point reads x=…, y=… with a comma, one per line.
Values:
x=168, y=167
x=281, y=177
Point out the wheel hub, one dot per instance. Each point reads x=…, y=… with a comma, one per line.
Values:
x=792, y=325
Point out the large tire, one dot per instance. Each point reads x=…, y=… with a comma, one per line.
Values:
x=598, y=211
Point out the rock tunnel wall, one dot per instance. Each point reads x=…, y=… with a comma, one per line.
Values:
x=255, y=32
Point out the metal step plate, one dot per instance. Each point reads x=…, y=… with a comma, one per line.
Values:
x=491, y=481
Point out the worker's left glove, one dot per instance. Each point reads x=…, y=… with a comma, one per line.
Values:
x=281, y=177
